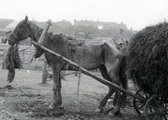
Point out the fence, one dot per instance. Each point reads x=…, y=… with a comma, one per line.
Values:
x=3, y=50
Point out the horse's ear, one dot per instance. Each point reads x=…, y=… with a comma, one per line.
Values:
x=26, y=19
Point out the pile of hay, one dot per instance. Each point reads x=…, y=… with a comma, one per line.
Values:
x=148, y=57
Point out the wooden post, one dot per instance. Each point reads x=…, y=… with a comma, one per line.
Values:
x=42, y=37
x=45, y=73
x=3, y=60
x=41, y=40
x=4, y=57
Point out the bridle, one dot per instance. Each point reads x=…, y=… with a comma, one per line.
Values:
x=15, y=36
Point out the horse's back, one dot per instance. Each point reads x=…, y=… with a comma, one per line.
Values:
x=112, y=50
x=112, y=58
x=89, y=56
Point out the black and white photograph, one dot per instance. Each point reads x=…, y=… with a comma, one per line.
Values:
x=83, y=59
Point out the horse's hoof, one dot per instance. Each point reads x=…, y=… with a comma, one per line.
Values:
x=9, y=87
x=110, y=113
x=56, y=107
x=52, y=106
x=98, y=110
x=60, y=108
x=118, y=114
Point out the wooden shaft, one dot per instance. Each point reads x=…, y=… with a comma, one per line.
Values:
x=42, y=37
x=104, y=81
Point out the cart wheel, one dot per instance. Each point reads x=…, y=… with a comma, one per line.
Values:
x=155, y=109
x=138, y=104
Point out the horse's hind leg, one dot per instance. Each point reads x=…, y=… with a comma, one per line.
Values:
x=122, y=97
x=118, y=104
x=110, y=92
x=114, y=75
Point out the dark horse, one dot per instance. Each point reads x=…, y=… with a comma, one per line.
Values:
x=109, y=60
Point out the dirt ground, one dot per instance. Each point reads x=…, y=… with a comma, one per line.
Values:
x=29, y=99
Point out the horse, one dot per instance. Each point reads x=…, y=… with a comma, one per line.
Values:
x=105, y=57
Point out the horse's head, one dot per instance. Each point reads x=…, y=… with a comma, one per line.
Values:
x=21, y=32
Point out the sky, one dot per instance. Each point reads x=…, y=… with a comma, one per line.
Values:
x=136, y=14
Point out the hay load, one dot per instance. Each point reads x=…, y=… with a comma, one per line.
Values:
x=148, y=56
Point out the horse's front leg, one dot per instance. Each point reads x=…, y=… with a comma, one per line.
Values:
x=57, y=98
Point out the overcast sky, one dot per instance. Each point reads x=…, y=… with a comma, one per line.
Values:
x=135, y=13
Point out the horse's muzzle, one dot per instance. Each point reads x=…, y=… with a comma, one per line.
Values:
x=11, y=41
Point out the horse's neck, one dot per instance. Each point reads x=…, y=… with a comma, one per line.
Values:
x=36, y=31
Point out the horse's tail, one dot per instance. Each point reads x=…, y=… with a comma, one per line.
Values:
x=123, y=79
